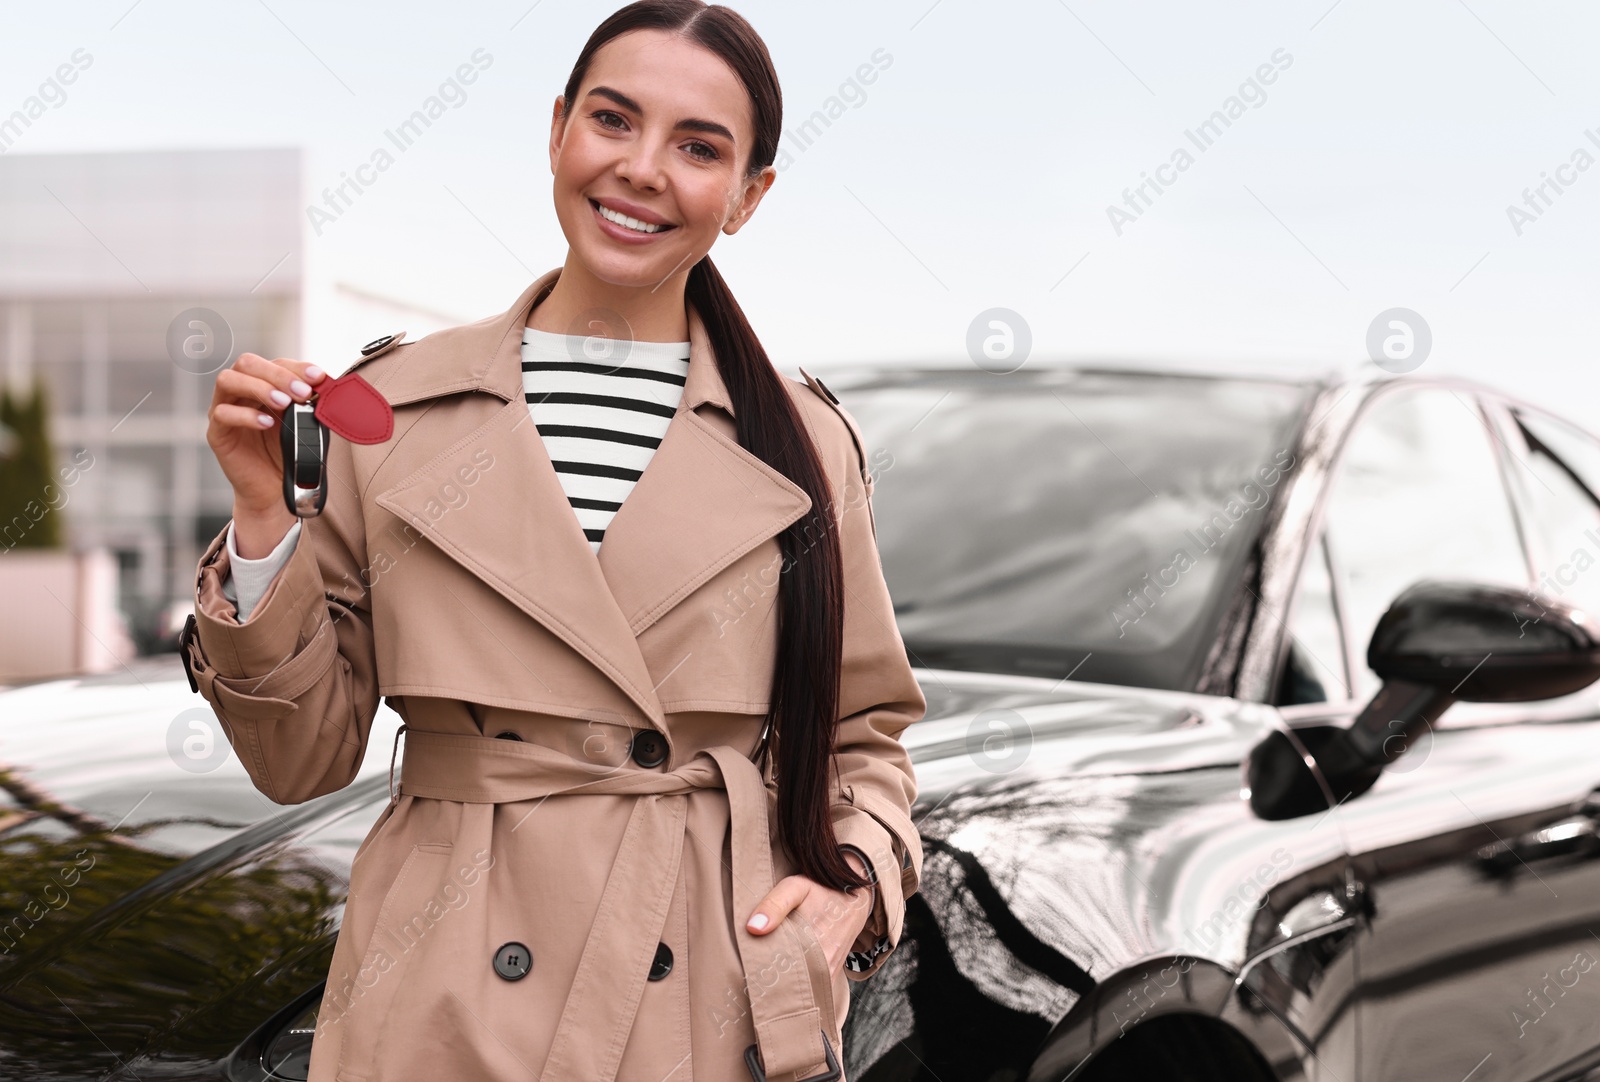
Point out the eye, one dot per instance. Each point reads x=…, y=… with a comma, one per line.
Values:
x=598, y=114
x=710, y=154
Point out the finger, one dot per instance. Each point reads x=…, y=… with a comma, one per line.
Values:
x=842, y=906
x=835, y=926
x=281, y=373
x=284, y=368
x=779, y=902
x=231, y=416
x=308, y=371
x=253, y=388
x=840, y=920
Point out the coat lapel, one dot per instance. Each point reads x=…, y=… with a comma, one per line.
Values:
x=702, y=502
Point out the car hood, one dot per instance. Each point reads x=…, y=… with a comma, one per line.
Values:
x=986, y=725
x=138, y=754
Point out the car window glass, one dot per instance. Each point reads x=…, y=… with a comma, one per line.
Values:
x=1313, y=666
x=1566, y=520
x=1061, y=523
x=1417, y=495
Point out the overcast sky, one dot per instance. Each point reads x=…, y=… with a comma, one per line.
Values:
x=978, y=171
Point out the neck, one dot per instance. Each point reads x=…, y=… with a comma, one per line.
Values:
x=653, y=313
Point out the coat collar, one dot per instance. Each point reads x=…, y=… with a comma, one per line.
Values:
x=702, y=502
x=487, y=355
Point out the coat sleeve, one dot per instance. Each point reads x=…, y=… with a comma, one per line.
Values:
x=879, y=697
x=295, y=684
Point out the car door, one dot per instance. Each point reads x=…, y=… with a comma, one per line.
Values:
x=1482, y=902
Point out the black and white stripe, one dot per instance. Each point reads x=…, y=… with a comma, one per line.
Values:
x=601, y=420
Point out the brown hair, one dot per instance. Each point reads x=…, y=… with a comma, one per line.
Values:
x=805, y=684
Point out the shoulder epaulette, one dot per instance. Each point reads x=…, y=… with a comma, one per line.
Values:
x=821, y=390
x=377, y=348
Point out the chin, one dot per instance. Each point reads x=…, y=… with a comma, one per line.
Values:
x=627, y=269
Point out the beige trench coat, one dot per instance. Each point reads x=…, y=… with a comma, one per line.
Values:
x=539, y=686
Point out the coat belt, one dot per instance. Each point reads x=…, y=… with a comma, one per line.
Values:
x=632, y=916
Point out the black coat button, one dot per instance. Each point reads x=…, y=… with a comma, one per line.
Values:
x=649, y=748
x=662, y=965
x=376, y=344
x=507, y=735
x=513, y=961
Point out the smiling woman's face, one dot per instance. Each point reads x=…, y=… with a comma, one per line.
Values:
x=660, y=132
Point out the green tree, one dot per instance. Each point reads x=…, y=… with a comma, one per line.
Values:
x=29, y=492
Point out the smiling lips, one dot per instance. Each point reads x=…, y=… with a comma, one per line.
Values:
x=628, y=222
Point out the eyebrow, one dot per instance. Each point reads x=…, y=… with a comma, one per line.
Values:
x=707, y=127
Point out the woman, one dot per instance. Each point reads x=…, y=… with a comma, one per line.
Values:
x=629, y=840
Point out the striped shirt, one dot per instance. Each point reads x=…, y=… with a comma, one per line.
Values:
x=601, y=417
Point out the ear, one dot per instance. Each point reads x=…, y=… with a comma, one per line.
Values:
x=557, y=133
x=748, y=199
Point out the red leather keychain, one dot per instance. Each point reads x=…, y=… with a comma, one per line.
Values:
x=354, y=409
x=349, y=406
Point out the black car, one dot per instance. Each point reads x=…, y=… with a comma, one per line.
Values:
x=1261, y=744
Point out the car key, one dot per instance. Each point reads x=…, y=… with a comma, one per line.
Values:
x=348, y=406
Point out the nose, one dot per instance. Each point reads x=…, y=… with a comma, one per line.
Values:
x=640, y=165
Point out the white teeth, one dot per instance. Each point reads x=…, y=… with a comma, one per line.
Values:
x=622, y=219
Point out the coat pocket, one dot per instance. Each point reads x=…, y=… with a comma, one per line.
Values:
x=373, y=833
x=389, y=954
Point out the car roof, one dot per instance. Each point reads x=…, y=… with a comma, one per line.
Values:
x=1327, y=381
x=863, y=371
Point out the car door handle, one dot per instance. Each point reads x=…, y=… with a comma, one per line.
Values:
x=1577, y=835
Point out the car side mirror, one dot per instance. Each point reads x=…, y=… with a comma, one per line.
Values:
x=1438, y=642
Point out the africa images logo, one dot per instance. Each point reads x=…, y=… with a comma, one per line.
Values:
x=52, y=93
x=1252, y=93
x=452, y=94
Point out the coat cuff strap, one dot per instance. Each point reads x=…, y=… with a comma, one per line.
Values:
x=891, y=863
x=256, y=669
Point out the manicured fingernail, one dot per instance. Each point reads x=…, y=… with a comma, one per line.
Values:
x=279, y=397
x=300, y=387
x=313, y=372
x=263, y=420
x=758, y=922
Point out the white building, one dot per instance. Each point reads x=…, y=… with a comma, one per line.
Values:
x=104, y=260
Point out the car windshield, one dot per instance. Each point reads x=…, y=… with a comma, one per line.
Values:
x=1061, y=522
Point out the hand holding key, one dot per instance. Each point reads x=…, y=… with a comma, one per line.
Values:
x=247, y=406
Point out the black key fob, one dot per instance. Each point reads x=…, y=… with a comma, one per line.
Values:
x=304, y=441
